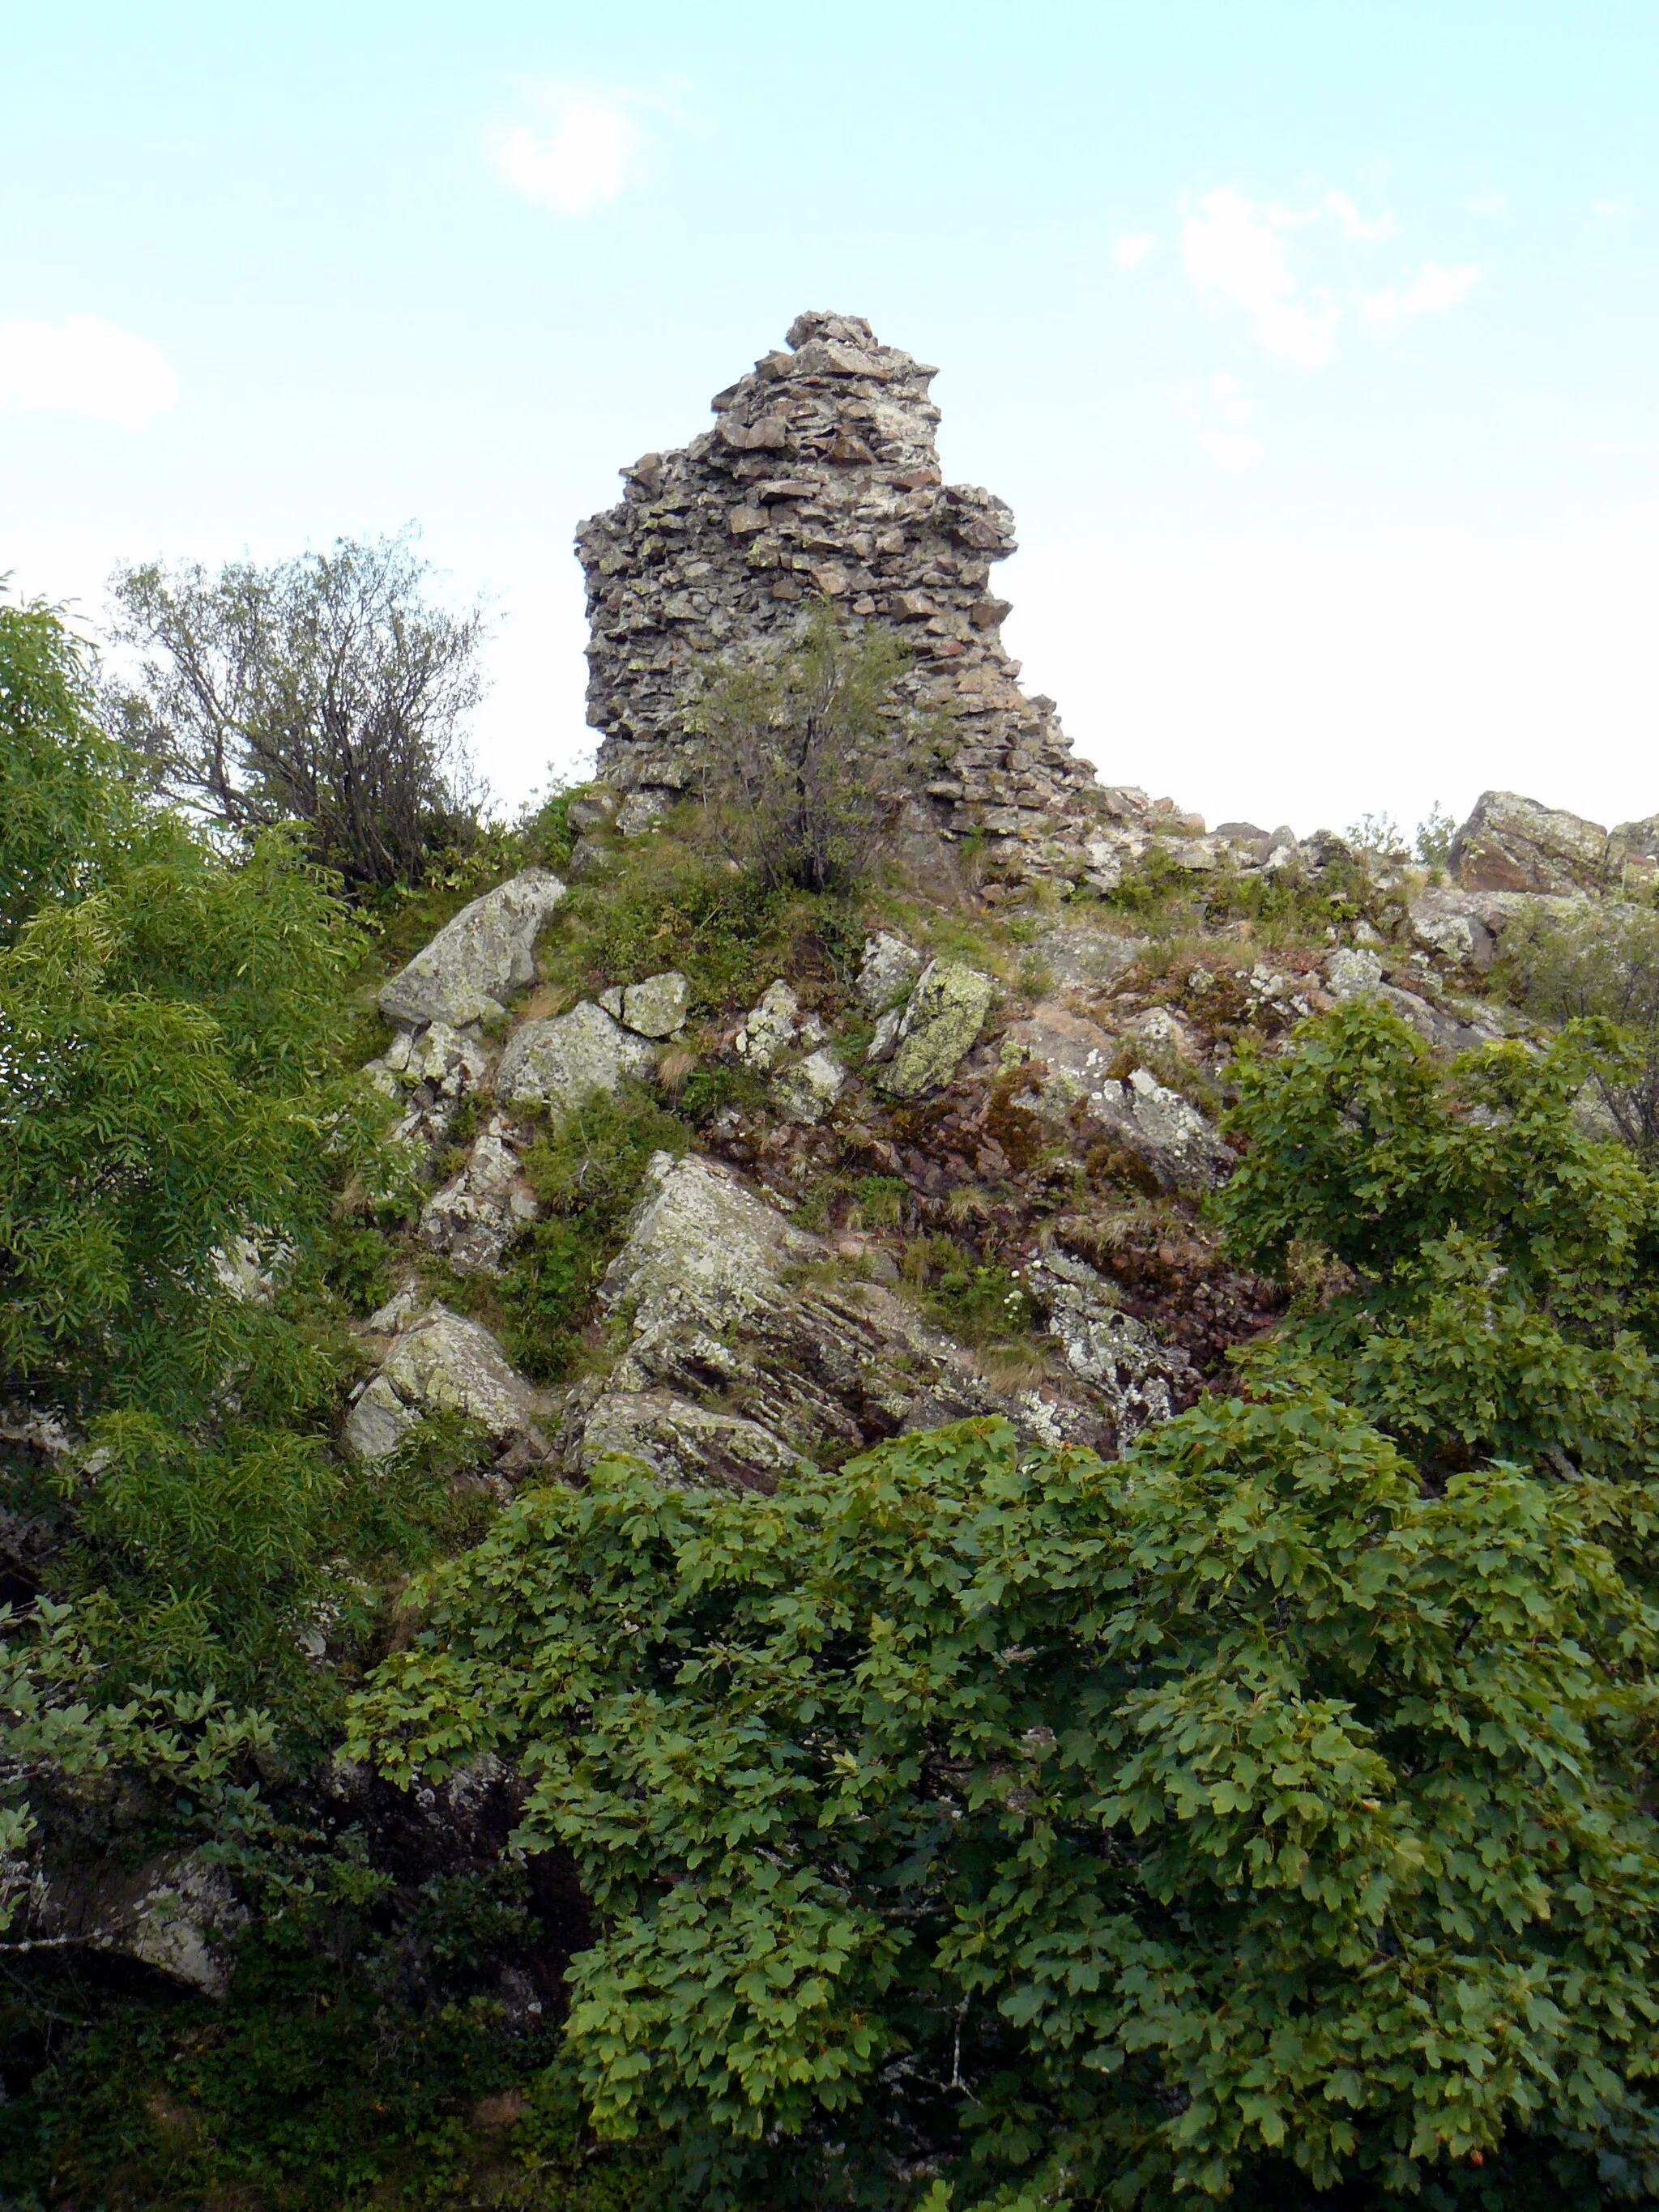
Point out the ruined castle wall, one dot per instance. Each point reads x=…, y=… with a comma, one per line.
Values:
x=820, y=481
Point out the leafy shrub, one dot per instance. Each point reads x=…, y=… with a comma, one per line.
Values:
x=1602, y=961
x=1505, y=1297
x=1099, y=1830
x=807, y=757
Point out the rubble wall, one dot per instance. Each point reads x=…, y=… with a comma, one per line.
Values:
x=820, y=482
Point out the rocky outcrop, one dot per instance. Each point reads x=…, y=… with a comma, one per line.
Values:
x=476, y=1216
x=1073, y=1059
x=436, y=1361
x=940, y=1020
x=820, y=482
x=559, y=1063
x=1510, y=843
x=174, y=1914
x=476, y=962
x=748, y=1349
x=655, y=1008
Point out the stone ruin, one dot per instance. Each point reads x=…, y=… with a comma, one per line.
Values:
x=820, y=482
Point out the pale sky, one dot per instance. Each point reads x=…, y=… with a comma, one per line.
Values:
x=1313, y=346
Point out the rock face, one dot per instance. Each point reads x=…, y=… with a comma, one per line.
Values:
x=172, y=1914
x=746, y=1353
x=440, y=1361
x=1157, y=1125
x=474, y=1218
x=559, y=1063
x=944, y=1015
x=655, y=1008
x=820, y=482
x=478, y=960
x=1513, y=844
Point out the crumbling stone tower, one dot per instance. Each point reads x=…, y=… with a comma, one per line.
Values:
x=820, y=481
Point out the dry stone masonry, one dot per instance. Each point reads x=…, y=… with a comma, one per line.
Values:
x=820, y=482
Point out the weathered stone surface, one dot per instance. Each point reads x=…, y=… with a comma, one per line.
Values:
x=1351, y=971
x=174, y=1914
x=440, y=1361
x=476, y=962
x=768, y=1028
x=656, y=1007
x=820, y=481
x=1510, y=843
x=747, y=1352
x=806, y=1091
x=1160, y=1128
x=945, y=1013
x=559, y=1063
x=1119, y=1355
x=476, y=1216
x=1445, y=923
x=886, y=972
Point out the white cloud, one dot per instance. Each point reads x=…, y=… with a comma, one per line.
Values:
x=1488, y=204
x=1220, y=414
x=1610, y=207
x=1235, y=258
x=1349, y=220
x=1235, y=254
x=83, y=366
x=1432, y=291
x=590, y=154
x=1131, y=248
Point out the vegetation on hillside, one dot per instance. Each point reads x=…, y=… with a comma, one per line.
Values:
x=1264, y=1816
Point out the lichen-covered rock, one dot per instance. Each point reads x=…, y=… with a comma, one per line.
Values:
x=945, y=1013
x=476, y=962
x=1351, y=971
x=477, y=1215
x=559, y=1063
x=1164, y=1131
x=1119, y=1355
x=886, y=972
x=1511, y=843
x=768, y=1028
x=805, y=1093
x=655, y=1008
x=440, y=1361
x=747, y=1351
x=174, y=1914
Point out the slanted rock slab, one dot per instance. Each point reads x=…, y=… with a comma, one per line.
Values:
x=476, y=962
x=474, y=1218
x=946, y=1011
x=441, y=1361
x=559, y=1063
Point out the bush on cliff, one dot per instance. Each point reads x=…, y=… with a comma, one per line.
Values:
x=1015, y=1818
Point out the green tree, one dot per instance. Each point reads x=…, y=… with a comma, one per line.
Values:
x=331, y=690
x=1014, y=1818
x=1495, y=1286
x=807, y=756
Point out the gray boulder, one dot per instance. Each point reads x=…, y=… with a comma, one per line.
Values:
x=768, y=1028
x=172, y=1914
x=440, y=1361
x=476, y=962
x=655, y=1008
x=1109, y=1349
x=475, y=1217
x=1511, y=843
x=805, y=1093
x=559, y=1063
x=886, y=972
x=945, y=1013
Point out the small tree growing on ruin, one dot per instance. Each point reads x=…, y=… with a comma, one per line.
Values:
x=330, y=690
x=807, y=758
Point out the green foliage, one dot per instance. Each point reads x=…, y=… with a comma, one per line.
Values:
x=1103, y=1828
x=587, y=1170
x=1601, y=963
x=1434, y=838
x=670, y=901
x=807, y=756
x=1504, y=1297
x=55, y=771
